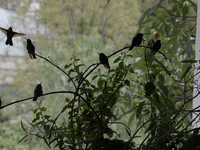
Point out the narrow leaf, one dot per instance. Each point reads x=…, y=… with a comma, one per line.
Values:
x=189, y=61
x=186, y=71
x=23, y=126
x=139, y=109
x=22, y=139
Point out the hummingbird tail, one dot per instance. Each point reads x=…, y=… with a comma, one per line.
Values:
x=34, y=98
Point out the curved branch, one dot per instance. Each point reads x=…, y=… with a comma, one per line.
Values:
x=58, y=68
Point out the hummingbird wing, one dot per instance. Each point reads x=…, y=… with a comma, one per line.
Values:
x=17, y=34
x=4, y=30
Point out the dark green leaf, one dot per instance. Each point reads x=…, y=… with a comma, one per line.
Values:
x=139, y=109
x=185, y=10
x=189, y=61
x=22, y=139
x=100, y=83
x=23, y=126
x=128, y=131
x=167, y=29
x=77, y=59
x=143, y=15
x=149, y=88
x=193, y=4
x=131, y=119
x=117, y=59
x=94, y=77
x=186, y=71
x=165, y=69
x=109, y=132
x=189, y=49
x=108, y=1
x=127, y=82
x=169, y=104
x=161, y=78
x=45, y=140
x=35, y=110
x=67, y=66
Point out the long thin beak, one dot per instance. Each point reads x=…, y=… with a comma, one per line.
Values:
x=26, y=38
x=97, y=53
x=41, y=83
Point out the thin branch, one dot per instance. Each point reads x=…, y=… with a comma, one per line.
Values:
x=58, y=68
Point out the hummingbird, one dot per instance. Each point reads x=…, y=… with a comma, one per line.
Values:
x=156, y=47
x=10, y=33
x=31, y=49
x=137, y=40
x=104, y=60
x=0, y=101
x=38, y=91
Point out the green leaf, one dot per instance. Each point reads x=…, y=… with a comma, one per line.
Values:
x=193, y=4
x=117, y=59
x=45, y=140
x=108, y=1
x=35, y=110
x=128, y=131
x=94, y=77
x=100, y=83
x=22, y=139
x=189, y=49
x=186, y=71
x=127, y=82
x=185, y=11
x=161, y=78
x=131, y=119
x=169, y=104
x=23, y=126
x=149, y=88
x=167, y=29
x=165, y=69
x=189, y=61
x=139, y=109
x=141, y=19
x=109, y=132
x=67, y=66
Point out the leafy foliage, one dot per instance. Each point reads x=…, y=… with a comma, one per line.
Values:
x=157, y=100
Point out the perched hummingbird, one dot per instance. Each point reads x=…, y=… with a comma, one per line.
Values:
x=10, y=33
x=31, y=49
x=104, y=60
x=38, y=91
x=0, y=101
x=156, y=47
x=137, y=40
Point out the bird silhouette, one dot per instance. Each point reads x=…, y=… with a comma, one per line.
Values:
x=0, y=101
x=10, y=33
x=38, y=91
x=137, y=40
x=104, y=60
x=156, y=47
x=31, y=49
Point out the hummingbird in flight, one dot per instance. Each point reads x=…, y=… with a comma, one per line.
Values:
x=38, y=91
x=137, y=40
x=104, y=60
x=31, y=49
x=10, y=34
x=156, y=47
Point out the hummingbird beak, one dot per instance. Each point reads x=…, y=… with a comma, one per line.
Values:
x=25, y=38
x=41, y=83
x=1, y=96
x=97, y=53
